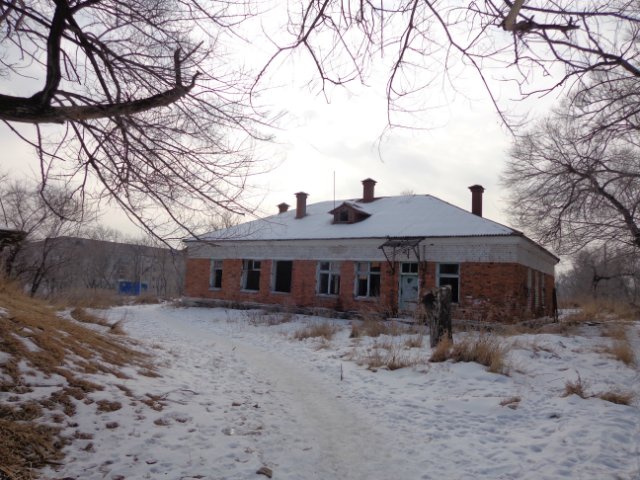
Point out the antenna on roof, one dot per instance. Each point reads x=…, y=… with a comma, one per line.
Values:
x=334, y=189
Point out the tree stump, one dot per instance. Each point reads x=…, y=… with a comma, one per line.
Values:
x=437, y=303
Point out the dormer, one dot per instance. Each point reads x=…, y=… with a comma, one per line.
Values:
x=348, y=213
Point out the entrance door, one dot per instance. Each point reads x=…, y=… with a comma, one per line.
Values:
x=409, y=289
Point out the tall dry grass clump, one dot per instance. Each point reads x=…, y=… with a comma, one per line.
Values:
x=621, y=348
x=32, y=334
x=316, y=330
x=442, y=351
x=485, y=349
x=575, y=387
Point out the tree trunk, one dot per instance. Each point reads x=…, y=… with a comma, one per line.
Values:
x=437, y=304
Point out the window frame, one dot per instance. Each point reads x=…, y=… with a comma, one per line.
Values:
x=249, y=265
x=212, y=273
x=333, y=273
x=456, y=276
x=370, y=275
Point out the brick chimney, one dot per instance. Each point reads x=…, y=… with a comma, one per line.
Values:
x=476, y=199
x=283, y=207
x=368, y=186
x=301, y=204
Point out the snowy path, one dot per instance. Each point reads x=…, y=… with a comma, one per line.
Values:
x=235, y=396
x=308, y=430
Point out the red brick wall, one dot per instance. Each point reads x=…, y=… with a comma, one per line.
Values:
x=488, y=291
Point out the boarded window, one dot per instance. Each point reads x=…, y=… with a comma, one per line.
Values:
x=251, y=275
x=367, y=279
x=282, y=275
x=215, y=276
x=328, y=278
x=449, y=274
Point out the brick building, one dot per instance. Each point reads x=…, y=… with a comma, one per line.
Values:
x=374, y=253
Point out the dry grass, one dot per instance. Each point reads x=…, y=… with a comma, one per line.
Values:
x=621, y=348
x=372, y=327
x=603, y=309
x=415, y=341
x=26, y=446
x=116, y=328
x=81, y=315
x=88, y=298
x=512, y=402
x=577, y=387
x=260, y=317
x=623, y=352
x=485, y=349
x=441, y=352
x=620, y=398
x=387, y=355
x=108, y=406
x=33, y=334
x=316, y=330
x=145, y=299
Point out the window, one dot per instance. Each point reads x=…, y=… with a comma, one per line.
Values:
x=449, y=274
x=343, y=216
x=328, y=278
x=251, y=275
x=409, y=268
x=368, y=279
x=282, y=276
x=215, y=276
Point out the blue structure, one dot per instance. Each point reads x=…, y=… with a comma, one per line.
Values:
x=126, y=287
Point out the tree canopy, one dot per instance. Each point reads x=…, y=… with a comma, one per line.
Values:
x=132, y=97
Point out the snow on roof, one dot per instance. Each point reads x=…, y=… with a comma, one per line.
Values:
x=400, y=216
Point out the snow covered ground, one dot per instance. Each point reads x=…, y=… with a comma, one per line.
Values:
x=236, y=394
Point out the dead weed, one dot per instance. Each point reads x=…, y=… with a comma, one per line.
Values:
x=324, y=330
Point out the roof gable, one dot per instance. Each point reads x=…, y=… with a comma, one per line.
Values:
x=348, y=212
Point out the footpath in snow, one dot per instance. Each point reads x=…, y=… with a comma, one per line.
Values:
x=236, y=395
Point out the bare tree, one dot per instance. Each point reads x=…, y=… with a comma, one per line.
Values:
x=602, y=272
x=30, y=209
x=539, y=45
x=137, y=103
x=571, y=189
